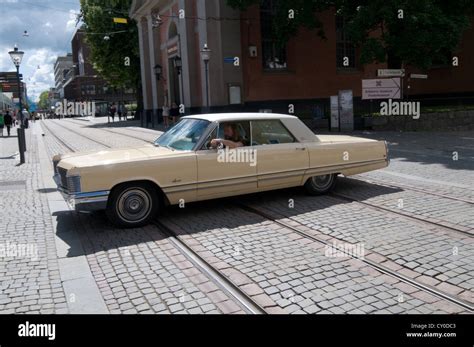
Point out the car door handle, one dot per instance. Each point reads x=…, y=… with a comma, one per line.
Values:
x=301, y=149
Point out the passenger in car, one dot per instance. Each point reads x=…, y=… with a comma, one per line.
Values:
x=232, y=138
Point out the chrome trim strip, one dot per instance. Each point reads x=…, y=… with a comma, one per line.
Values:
x=234, y=181
x=280, y=175
x=88, y=201
x=224, y=182
x=180, y=189
x=99, y=194
x=344, y=166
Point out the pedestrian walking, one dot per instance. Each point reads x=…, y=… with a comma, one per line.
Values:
x=8, y=120
x=166, y=115
x=113, y=110
x=122, y=111
x=2, y=123
x=174, y=112
x=25, y=118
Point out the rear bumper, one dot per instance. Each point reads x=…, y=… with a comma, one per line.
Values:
x=90, y=201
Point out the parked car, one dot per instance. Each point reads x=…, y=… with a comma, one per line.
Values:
x=276, y=151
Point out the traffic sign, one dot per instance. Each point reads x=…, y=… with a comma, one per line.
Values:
x=120, y=20
x=385, y=88
x=391, y=73
x=418, y=76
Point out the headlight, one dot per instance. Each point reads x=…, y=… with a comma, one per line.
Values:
x=55, y=166
x=387, y=150
x=56, y=159
x=74, y=184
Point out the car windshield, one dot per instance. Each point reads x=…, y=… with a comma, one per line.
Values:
x=184, y=135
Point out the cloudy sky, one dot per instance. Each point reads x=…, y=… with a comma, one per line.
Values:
x=50, y=25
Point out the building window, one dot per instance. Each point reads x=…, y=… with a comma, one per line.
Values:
x=345, y=49
x=88, y=89
x=273, y=56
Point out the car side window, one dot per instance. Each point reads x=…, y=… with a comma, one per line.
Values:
x=207, y=143
x=270, y=132
x=240, y=131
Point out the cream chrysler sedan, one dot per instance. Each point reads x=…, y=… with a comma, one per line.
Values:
x=211, y=156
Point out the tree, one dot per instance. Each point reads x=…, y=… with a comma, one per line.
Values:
x=114, y=47
x=404, y=32
x=43, y=102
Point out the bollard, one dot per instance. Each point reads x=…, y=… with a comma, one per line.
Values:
x=21, y=144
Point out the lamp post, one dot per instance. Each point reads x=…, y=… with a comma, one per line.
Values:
x=17, y=57
x=158, y=73
x=206, y=57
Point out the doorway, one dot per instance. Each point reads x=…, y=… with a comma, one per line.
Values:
x=174, y=83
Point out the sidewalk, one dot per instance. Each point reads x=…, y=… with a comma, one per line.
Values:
x=28, y=266
x=35, y=278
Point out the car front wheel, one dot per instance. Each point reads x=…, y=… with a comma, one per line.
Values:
x=132, y=205
x=319, y=185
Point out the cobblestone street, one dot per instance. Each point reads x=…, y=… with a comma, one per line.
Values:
x=414, y=222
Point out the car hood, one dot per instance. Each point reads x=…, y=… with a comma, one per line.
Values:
x=112, y=156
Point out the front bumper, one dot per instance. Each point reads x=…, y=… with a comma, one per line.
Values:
x=90, y=201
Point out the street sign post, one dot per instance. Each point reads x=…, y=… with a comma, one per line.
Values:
x=334, y=113
x=385, y=88
x=346, y=110
x=391, y=73
x=418, y=76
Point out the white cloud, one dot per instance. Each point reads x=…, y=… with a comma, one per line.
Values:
x=50, y=25
x=71, y=23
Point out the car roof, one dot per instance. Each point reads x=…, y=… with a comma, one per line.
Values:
x=223, y=117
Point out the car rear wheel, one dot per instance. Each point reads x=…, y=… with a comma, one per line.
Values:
x=132, y=205
x=319, y=185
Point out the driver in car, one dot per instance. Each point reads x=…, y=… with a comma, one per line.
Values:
x=232, y=138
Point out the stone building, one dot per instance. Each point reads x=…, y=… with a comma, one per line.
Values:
x=172, y=34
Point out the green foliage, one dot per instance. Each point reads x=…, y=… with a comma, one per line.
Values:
x=429, y=32
x=43, y=102
x=109, y=57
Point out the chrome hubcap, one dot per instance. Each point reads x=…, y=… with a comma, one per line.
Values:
x=322, y=182
x=134, y=205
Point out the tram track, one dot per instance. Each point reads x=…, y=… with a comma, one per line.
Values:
x=108, y=129
x=420, y=220
x=372, y=264
x=214, y=275
x=409, y=187
x=243, y=300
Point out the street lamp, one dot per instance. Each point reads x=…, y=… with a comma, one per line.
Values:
x=206, y=57
x=158, y=71
x=178, y=64
x=17, y=57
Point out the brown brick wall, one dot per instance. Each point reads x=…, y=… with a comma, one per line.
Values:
x=312, y=69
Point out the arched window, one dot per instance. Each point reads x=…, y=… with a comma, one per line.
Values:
x=172, y=31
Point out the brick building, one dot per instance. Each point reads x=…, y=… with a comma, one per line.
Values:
x=306, y=72
x=83, y=83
